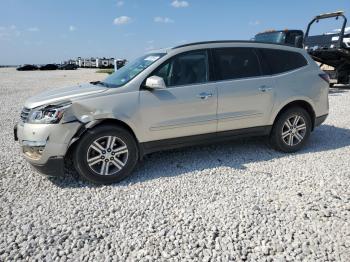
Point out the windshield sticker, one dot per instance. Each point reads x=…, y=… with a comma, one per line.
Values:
x=151, y=58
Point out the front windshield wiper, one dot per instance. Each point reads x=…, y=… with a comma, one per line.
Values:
x=100, y=83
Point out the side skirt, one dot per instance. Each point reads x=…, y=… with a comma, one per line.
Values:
x=166, y=144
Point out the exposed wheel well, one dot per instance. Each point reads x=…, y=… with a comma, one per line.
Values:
x=110, y=121
x=303, y=104
x=117, y=122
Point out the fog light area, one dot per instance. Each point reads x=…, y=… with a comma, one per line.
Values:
x=33, y=150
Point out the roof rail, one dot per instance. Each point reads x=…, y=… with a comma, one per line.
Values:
x=227, y=41
x=214, y=42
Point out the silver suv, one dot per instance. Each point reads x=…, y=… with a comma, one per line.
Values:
x=186, y=95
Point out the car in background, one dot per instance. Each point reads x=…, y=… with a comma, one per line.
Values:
x=121, y=63
x=27, y=68
x=68, y=67
x=49, y=67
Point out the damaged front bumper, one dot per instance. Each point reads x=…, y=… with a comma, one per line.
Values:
x=44, y=146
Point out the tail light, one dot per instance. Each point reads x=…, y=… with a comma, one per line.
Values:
x=325, y=77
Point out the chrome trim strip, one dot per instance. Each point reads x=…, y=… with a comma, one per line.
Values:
x=238, y=116
x=164, y=127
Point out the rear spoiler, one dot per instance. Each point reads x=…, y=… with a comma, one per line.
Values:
x=325, y=16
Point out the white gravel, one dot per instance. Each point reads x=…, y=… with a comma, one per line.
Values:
x=234, y=201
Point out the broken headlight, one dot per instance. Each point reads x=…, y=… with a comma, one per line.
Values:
x=51, y=114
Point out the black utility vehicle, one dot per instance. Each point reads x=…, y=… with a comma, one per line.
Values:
x=332, y=49
x=285, y=37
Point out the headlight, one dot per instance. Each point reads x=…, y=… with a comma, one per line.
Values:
x=47, y=114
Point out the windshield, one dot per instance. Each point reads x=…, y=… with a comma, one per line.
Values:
x=130, y=70
x=271, y=37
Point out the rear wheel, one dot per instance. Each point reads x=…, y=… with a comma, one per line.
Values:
x=106, y=154
x=291, y=130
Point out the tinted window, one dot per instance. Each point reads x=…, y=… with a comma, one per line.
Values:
x=163, y=72
x=280, y=61
x=270, y=37
x=233, y=63
x=291, y=37
x=185, y=69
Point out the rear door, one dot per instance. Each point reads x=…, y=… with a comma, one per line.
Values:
x=187, y=106
x=245, y=96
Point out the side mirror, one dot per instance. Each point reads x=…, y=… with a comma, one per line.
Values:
x=155, y=82
x=299, y=41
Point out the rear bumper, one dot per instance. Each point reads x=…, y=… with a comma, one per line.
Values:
x=319, y=120
x=54, y=167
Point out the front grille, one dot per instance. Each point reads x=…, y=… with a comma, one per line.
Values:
x=24, y=114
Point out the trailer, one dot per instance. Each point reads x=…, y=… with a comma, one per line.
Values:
x=330, y=50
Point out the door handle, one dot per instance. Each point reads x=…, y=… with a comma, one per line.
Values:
x=265, y=88
x=204, y=95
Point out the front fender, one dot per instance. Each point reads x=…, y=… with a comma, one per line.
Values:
x=122, y=107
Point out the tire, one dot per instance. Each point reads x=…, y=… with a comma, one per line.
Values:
x=99, y=163
x=296, y=137
x=343, y=78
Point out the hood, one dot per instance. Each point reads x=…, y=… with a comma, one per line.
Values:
x=63, y=94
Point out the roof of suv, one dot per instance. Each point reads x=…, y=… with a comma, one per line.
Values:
x=225, y=42
x=216, y=43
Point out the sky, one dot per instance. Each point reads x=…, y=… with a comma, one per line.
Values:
x=51, y=31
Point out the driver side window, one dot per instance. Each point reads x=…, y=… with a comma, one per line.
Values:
x=185, y=69
x=164, y=73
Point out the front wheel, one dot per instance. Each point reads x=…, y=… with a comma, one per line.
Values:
x=106, y=154
x=291, y=130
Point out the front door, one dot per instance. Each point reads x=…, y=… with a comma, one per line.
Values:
x=187, y=106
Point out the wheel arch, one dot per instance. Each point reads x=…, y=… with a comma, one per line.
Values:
x=113, y=121
x=93, y=124
x=306, y=105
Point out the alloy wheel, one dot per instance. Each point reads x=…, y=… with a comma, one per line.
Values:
x=107, y=155
x=293, y=130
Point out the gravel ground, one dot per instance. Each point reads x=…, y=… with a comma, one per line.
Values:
x=234, y=201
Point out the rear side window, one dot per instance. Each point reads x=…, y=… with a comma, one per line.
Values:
x=280, y=61
x=234, y=63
